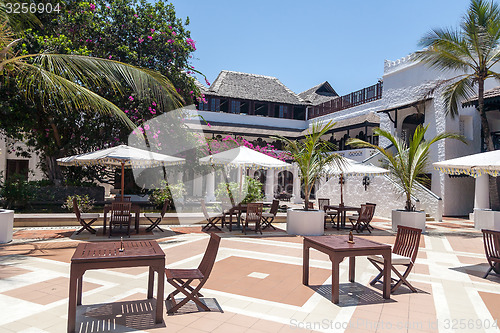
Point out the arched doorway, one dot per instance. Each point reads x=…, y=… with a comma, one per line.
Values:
x=285, y=182
x=409, y=125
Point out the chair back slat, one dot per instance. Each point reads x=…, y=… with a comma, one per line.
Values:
x=207, y=263
x=274, y=207
x=204, y=209
x=76, y=209
x=322, y=203
x=491, y=240
x=165, y=206
x=407, y=242
x=120, y=212
x=254, y=212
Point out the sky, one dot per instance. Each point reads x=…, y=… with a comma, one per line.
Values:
x=304, y=43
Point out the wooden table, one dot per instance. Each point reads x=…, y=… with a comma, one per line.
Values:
x=238, y=210
x=341, y=213
x=136, y=209
x=107, y=255
x=338, y=248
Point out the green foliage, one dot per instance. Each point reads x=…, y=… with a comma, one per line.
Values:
x=167, y=192
x=473, y=50
x=410, y=161
x=17, y=191
x=312, y=155
x=85, y=204
x=251, y=191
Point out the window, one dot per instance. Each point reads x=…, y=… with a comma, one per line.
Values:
x=17, y=167
x=283, y=111
x=235, y=106
x=215, y=104
x=203, y=106
x=465, y=126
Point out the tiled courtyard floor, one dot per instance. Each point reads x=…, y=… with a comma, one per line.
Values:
x=255, y=285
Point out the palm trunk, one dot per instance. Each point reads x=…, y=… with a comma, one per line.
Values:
x=485, y=128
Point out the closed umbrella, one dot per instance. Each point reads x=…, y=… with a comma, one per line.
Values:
x=121, y=156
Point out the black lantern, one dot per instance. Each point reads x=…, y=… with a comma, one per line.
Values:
x=366, y=182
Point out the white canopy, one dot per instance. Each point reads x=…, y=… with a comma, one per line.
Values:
x=244, y=157
x=121, y=156
x=353, y=168
x=472, y=165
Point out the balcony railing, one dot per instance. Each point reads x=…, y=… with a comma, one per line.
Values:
x=356, y=98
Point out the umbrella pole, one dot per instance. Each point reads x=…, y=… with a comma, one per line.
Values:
x=123, y=179
x=341, y=189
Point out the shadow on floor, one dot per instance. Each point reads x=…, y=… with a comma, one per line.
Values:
x=192, y=307
x=126, y=316
x=478, y=270
x=352, y=294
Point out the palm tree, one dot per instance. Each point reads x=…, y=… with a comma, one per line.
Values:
x=410, y=161
x=473, y=50
x=312, y=155
x=61, y=83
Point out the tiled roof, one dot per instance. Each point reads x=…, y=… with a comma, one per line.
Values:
x=253, y=87
x=491, y=93
x=321, y=93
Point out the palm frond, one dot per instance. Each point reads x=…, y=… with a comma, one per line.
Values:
x=58, y=93
x=456, y=92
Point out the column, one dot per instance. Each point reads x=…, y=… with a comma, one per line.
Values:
x=197, y=185
x=482, y=194
x=296, y=185
x=210, y=179
x=269, y=185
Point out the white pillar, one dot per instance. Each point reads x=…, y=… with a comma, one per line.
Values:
x=269, y=185
x=210, y=196
x=197, y=185
x=482, y=192
x=296, y=185
x=251, y=173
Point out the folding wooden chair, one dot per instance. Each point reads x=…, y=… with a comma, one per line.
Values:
x=84, y=217
x=404, y=253
x=328, y=213
x=182, y=278
x=253, y=215
x=491, y=240
x=156, y=218
x=120, y=215
x=362, y=221
x=268, y=217
x=211, y=219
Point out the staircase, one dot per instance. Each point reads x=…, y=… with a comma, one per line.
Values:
x=428, y=217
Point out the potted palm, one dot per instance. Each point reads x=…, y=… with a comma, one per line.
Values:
x=311, y=156
x=407, y=166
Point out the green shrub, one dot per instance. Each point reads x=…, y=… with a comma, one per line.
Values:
x=83, y=201
x=17, y=191
x=167, y=192
x=251, y=191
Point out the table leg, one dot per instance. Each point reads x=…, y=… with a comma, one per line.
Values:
x=79, y=287
x=73, y=277
x=387, y=274
x=151, y=282
x=352, y=268
x=305, y=265
x=159, y=295
x=338, y=219
x=104, y=223
x=137, y=217
x=335, y=279
x=230, y=221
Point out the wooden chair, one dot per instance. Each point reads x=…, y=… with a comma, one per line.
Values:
x=362, y=221
x=83, y=218
x=268, y=217
x=253, y=215
x=125, y=199
x=156, y=218
x=404, y=253
x=491, y=240
x=328, y=213
x=182, y=278
x=211, y=219
x=120, y=215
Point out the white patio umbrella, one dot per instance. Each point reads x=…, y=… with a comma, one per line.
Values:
x=121, y=156
x=352, y=168
x=244, y=158
x=472, y=165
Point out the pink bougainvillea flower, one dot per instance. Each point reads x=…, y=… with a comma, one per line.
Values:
x=92, y=7
x=206, y=81
x=110, y=57
x=152, y=30
x=141, y=40
x=130, y=98
x=174, y=33
x=154, y=104
x=146, y=127
x=170, y=41
x=150, y=37
x=208, y=124
x=108, y=7
x=170, y=27
x=135, y=15
x=126, y=111
x=191, y=92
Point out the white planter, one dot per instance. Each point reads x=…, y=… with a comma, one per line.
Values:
x=409, y=219
x=486, y=219
x=6, y=225
x=305, y=223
